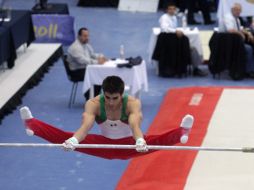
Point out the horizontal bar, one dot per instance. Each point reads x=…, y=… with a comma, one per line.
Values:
x=115, y=146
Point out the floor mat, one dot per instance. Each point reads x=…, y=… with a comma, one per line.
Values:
x=173, y=169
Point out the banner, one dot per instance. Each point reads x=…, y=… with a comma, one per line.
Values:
x=54, y=28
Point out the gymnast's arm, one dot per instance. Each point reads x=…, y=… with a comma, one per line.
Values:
x=91, y=109
x=135, y=117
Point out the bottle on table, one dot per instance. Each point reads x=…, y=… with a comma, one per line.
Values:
x=184, y=21
x=121, y=51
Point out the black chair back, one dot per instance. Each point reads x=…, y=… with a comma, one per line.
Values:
x=172, y=54
x=227, y=53
x=73, y=76
x=66, y=66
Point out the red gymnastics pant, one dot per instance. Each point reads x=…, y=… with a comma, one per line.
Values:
x=58, y=136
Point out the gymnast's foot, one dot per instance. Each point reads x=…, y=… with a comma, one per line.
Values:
x=186, y=124
x=25, y=115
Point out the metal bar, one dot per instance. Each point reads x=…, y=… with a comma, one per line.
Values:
x=115, y=146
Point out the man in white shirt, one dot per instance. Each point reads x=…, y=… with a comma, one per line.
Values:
x=231, y=24
x=81, y=54
x=168, y=23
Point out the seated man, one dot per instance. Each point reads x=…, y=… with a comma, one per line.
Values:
x=168, y=23
x=81, y=54
x=231, y=23
x=119, y=117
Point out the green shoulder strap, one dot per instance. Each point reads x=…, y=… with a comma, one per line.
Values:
x=103, y=116
x=124, y=116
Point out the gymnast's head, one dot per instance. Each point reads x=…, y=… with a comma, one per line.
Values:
x=113, y=85
x=113, y=88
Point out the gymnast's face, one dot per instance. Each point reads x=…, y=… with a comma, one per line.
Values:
x=112, y=100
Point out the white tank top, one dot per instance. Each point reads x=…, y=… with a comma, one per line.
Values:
x=115, y=129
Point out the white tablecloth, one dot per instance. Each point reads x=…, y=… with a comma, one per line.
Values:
x=135, y=77
x=193, y=36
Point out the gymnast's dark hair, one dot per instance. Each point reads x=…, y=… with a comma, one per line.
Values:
x=113, y=84
x=81, y=29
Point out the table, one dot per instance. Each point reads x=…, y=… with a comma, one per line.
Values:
x=52, y=8
x=15, y=33
x=28, y=73
x=193, y=36
x=135, y=77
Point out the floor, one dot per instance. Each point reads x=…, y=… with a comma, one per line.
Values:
x=50, y=169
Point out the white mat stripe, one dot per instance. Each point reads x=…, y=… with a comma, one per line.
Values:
x=232, y=124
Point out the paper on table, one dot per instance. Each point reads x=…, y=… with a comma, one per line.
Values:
x=115, y=62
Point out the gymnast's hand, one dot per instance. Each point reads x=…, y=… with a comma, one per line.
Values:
x=141, y=145
x=69, y=144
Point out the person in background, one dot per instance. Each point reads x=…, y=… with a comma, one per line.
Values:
x=205, y=9
x=80, y=54
x=168, y=23
x=231, y=23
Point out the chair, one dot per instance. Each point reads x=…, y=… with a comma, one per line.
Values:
x=172, y=54
x=74, y=77
x=227, y=53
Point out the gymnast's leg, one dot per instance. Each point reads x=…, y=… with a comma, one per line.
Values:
x=58, y=136
x=177, y=135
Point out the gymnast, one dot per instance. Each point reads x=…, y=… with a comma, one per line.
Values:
x=119, y=117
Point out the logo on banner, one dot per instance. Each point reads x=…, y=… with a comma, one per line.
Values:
x=54, y=28
x=42, y=31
